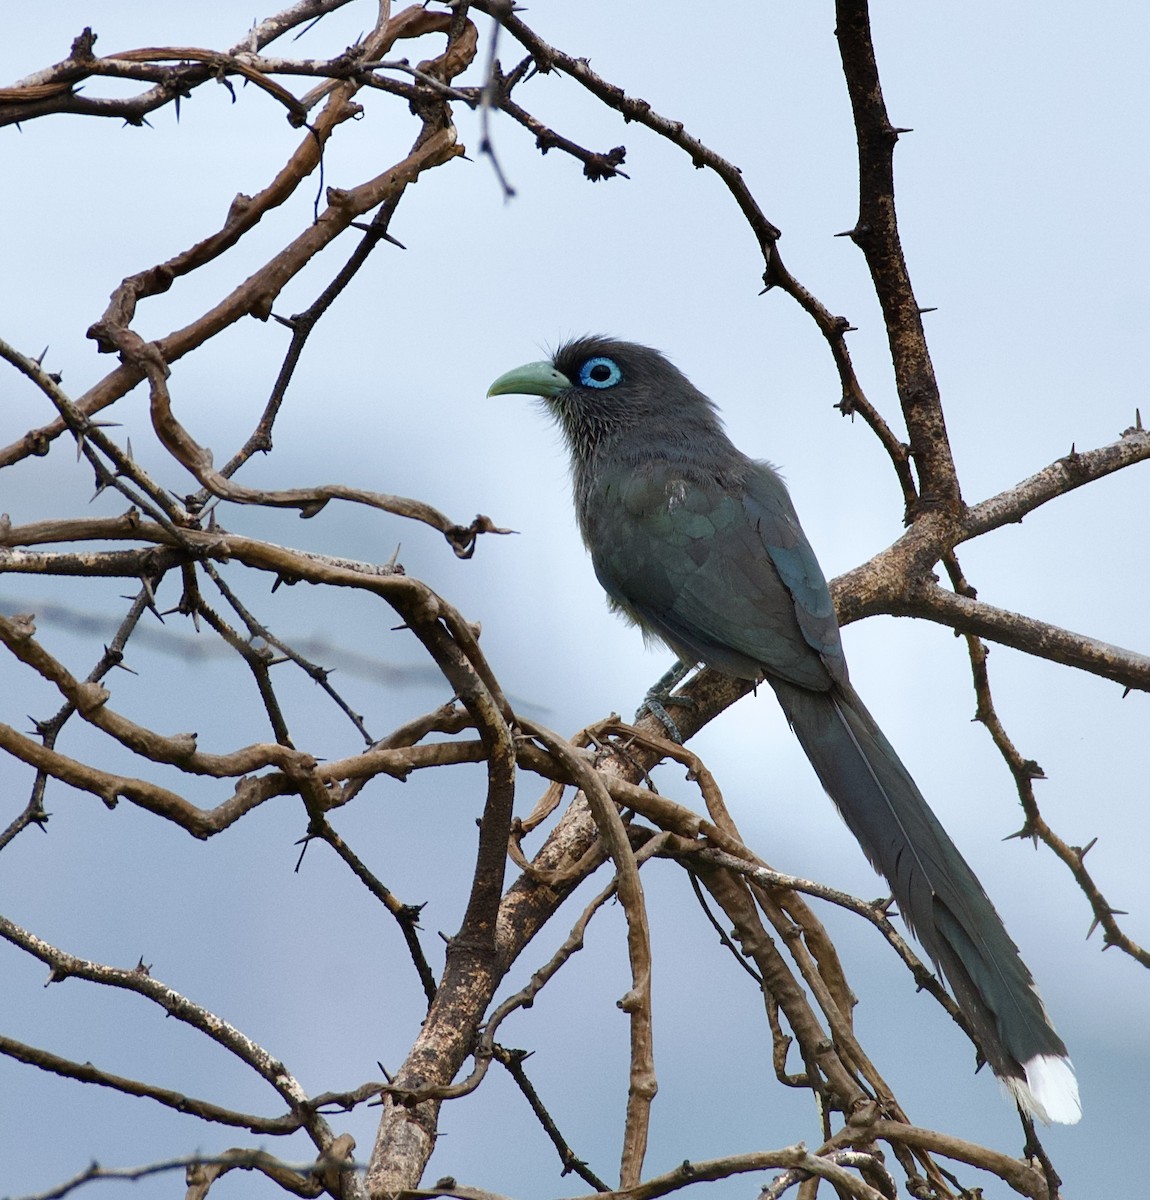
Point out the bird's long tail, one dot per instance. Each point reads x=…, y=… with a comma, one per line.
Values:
x=937, y=894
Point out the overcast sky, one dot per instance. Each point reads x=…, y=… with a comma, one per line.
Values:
x=1022, y=197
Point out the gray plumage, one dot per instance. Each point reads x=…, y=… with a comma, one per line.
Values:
x=700, y=545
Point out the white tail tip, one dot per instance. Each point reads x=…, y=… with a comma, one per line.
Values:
x=1049, y=1091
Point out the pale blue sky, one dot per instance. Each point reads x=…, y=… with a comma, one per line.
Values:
x=1023, y=199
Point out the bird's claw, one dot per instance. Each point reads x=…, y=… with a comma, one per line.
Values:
x=656, y=700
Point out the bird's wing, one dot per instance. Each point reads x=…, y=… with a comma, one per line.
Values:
x=720, y=570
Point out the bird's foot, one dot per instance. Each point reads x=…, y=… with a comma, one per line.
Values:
x=656, y=700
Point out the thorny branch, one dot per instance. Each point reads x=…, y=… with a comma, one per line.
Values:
x=168, y=539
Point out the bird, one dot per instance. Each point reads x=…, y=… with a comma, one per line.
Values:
x=700, y=546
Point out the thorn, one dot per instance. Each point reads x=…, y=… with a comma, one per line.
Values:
x=287, y=322
x=1110, y=912
x=1024, y=832
x=897, y=129
x=1083, y=851
x=847, y=232
x=151, y=594
x=921, y=311
x=40, y=360
x=380, y=234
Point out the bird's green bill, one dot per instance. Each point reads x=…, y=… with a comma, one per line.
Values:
x=531, y=379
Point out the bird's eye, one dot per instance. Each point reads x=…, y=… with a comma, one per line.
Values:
x=600, y=373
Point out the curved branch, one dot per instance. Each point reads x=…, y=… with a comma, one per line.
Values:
x=876, y=234
x=1057, y=479
x=637, y=1002
x=549, y=58
x=1025, y=772
x=1043, y=640
x=256, y=296
x=1019, y=1175
x=204, y=1109
x=50, y=90
x=90, y=699
x=766, y=234
x=270, y=1069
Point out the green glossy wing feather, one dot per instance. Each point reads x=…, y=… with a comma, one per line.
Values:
x=719, y=569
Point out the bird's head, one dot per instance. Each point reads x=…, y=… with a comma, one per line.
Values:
x=600, y=388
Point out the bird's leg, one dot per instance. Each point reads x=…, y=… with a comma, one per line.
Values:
x=659, y=697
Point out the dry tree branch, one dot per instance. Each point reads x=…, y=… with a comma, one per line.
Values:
x=833, y=328
x=51, y=90
x=406, y=1137
x=758, y=872
x=90, y=700
x=49, y=730
x=797, y=1157
x=301, y=326
x=448, y=637
x=512, y=1061
x=1043, y=640
x=86, y=1073
x=90, y=437
x=637, y=1002
x=498, y=925
x=486, y=1049
x=406, y=915
x=435, y=145
x=876, y=234
x=1025, y=772
x=271, y=1070
x=333, y=1168
x=829, y=1075
x=1020, y=1176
